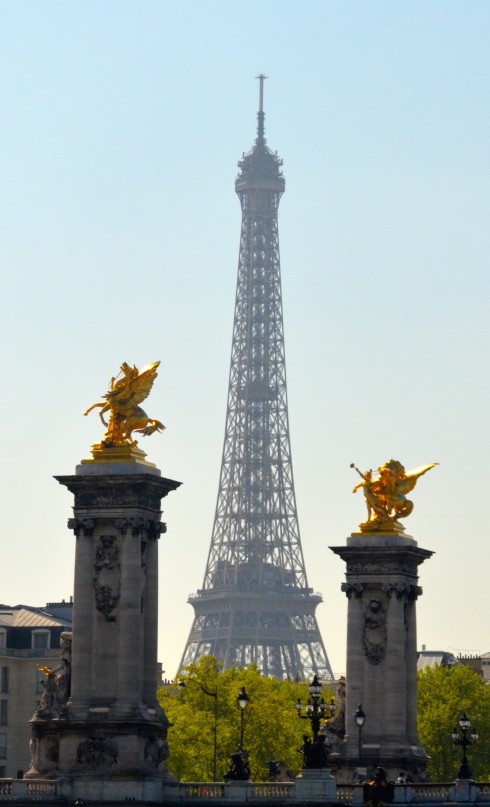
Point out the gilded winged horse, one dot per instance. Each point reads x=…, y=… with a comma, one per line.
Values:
x=385, y=496
x=122, y=400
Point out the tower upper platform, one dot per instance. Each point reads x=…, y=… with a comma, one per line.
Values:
x=260, y=167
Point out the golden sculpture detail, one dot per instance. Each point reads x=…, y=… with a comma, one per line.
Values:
x=122, y=401
x=385, y=496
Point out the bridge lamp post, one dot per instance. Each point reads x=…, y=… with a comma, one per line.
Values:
x=242, y=703
x=467, y=737
x=212, y=694
x=316, y=709
x=360, y=719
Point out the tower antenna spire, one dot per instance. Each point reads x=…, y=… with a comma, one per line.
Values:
x=260, y=114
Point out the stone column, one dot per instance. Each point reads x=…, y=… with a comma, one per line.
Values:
x=395, y=726
x=150, y=613
x=110, y=726
x=354, y=662
x=411, y=621
x=381, y=584
x=81, y=674
x=130, y=657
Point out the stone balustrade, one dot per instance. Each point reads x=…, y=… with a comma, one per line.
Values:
x=22, y=791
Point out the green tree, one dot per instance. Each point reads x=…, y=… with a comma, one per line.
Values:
x=443, y=693
x=271, y=726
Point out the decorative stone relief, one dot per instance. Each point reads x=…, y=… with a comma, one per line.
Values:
x=155, y=529
x=122, y=497
x=57, y=684
x=334, y=728
x=85, y=524
x=352, y=589
x=143, y=573
x=44, y=748
x=137, y=526
x=374, y=631
x=107, y=574
x=156, y=752
x=402, y=590
x=373, y=567
x=97, y=751
x=34, y=747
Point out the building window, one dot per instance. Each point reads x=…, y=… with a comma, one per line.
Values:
x=3, y=637
x=40, y=639
x=4, y=683
x=3, y=712
x=3, y=746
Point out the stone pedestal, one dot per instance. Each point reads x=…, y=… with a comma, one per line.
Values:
x=238, y=791
x=464, y=790
x=382, y=588
x=315, y=785
x=101, y=715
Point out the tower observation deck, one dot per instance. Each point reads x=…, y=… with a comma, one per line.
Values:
x=255, y=604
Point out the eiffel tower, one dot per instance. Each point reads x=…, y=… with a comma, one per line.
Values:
x=255, y=604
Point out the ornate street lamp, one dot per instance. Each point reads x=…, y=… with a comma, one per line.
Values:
x=315, y=754
x=214, y=695
x=360, y=719
x=242, y=703
x=467, y=737
x=239, y=768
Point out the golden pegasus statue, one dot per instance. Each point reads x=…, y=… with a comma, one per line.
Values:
x=385, y=495
x=122, y=401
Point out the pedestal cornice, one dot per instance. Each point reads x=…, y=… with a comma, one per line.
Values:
x=108, y=495
x=365, y=558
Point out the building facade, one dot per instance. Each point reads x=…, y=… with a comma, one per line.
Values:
x=29, y=641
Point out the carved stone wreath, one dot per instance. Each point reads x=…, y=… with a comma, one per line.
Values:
x=97, y=751
x=374, y=631
x=107, y=574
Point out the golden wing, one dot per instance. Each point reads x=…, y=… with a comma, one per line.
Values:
x=408, y=483
x=142, y=384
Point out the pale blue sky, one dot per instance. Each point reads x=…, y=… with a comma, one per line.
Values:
x=122, y=126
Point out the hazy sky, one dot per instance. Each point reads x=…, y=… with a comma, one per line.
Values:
x=122, y=126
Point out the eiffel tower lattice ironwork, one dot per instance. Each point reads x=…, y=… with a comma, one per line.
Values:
x=255, y=604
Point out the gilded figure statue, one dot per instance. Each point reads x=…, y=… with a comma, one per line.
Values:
x=127, y=390
x=385, y=497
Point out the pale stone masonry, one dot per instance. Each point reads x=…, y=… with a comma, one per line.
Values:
x=382, y=588
x=100, y=714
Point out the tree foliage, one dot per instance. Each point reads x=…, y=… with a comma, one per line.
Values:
x=271, y=726
x=443, y=693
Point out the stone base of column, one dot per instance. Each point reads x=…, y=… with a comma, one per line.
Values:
x=349, y=771
x=105, y=789
x=99, y=747
x=315, y=785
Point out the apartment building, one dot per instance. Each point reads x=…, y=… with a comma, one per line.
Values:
x=29, y=640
